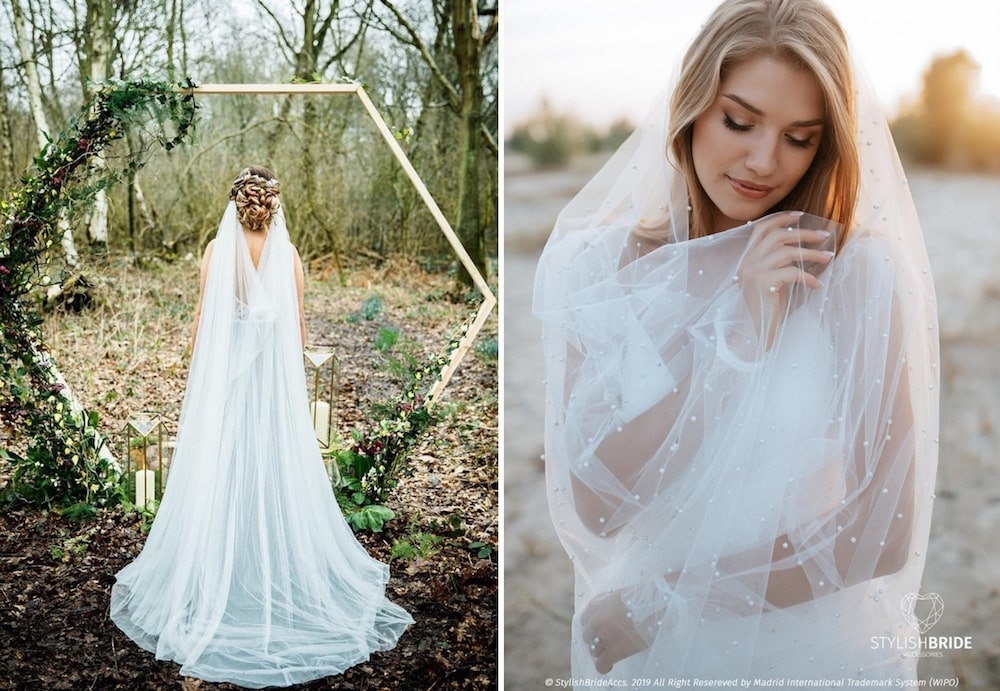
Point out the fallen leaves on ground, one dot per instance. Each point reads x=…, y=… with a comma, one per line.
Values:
x=127, y=354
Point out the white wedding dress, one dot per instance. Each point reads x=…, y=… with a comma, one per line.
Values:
x=250, y=573
x=690, y=467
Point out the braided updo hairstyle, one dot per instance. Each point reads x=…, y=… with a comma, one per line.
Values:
x=255, y=191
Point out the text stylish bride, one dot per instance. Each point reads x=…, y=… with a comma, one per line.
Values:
x=741, y=353
x=250, y=573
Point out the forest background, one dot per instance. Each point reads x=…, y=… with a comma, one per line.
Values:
x=430, y=66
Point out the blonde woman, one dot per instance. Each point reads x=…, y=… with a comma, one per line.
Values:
x=741, y=351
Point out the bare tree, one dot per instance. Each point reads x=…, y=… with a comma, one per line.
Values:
x=6, y=140
x=95, y=67
x=318, y=37
x=38, y=113
x=470, y=39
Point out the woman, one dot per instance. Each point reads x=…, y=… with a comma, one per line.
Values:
x=742, y=363
x=250, y=574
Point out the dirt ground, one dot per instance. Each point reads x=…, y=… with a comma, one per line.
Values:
x=127, y=355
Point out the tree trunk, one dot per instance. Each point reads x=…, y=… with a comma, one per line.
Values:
x=96, y=66
x=6, y=142
x=38, y=115
x=468, y=55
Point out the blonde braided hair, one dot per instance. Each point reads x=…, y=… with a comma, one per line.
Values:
x=255, y=191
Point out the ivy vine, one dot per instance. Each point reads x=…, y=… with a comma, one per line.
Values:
x=63, y=464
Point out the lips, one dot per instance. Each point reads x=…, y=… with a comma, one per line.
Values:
x=747, y=189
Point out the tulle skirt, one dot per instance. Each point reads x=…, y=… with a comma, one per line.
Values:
x=250, y=573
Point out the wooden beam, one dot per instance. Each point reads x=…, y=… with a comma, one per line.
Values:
x=273, y=89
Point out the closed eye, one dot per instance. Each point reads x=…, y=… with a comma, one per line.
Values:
x=801, y=143
x=733, y=125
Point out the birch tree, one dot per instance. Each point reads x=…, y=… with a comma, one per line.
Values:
x=95, y=67
x=24, y=47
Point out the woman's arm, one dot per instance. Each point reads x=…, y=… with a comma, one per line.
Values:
x=205, y=261
x=300, y=282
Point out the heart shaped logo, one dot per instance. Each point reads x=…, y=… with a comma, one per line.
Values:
x=909, y=607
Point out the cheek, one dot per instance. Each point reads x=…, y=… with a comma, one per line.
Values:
x=799, y=163
x=708, y=148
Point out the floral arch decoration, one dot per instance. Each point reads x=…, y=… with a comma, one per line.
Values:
x=67, y=458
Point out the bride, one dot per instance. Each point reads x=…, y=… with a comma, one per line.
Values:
x=250, y=574
x=741, y=353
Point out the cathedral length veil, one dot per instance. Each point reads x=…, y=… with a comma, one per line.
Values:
x=250, y=573
x=689, y=465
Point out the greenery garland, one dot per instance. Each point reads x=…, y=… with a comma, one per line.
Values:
x=378, y=455
x=63, y=464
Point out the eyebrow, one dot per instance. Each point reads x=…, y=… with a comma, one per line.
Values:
x=758, y=112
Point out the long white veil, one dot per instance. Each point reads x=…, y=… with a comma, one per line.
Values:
x=250, y=573
x=752, y=510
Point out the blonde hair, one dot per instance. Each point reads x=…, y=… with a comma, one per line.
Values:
x=807, y=35
x=255, y=191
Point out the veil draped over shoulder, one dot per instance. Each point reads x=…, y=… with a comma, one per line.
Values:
x=759, y=511
x=250, y=573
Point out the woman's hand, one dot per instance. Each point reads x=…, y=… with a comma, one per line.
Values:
x=609, y=631
x=773, y=261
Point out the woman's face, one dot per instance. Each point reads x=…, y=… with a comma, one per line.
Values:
x=757, y=139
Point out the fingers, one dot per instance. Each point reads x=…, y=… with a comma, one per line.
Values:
x=781, y=278
x=614, y=646
x=609, y=632
x=775, y=238
x=780, y=220
x=782, y=229
x=789, y=255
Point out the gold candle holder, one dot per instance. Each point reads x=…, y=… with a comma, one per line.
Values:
x=146, y=475
x=325, y=375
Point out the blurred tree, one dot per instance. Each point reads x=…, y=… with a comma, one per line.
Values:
x=952, y=124
x=949, y=88
x=551, y=138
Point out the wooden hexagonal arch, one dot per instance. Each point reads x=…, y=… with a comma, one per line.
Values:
x=489, y=300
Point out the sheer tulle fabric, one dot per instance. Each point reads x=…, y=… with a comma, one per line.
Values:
x=250, y=573
x=692, y=469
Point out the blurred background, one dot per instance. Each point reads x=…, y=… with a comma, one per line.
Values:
x=578, y=76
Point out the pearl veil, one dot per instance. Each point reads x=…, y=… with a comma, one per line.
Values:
x=250, y=573
x=753, y=511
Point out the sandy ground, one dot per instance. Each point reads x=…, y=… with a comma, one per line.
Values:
x=960, y=215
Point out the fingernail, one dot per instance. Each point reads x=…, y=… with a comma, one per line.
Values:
x=824, y=233
x=829, y=253
x=796, y=214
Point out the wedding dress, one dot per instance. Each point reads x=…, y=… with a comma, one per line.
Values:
x=689, y=464
x=250, y=574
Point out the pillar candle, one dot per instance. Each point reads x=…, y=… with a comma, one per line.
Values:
x=145, y=488
x=320, y=411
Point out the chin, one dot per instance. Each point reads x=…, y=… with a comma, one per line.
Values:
x=744, y=211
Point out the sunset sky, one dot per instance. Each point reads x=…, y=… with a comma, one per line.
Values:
x=602, y=60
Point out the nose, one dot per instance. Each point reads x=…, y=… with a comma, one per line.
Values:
x=762, y=157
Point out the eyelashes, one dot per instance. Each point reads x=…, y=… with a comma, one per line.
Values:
x=738, y=127
x=735, y=126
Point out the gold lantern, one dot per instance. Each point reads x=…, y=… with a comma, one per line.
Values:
x=146, y=466
x=324, y=394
